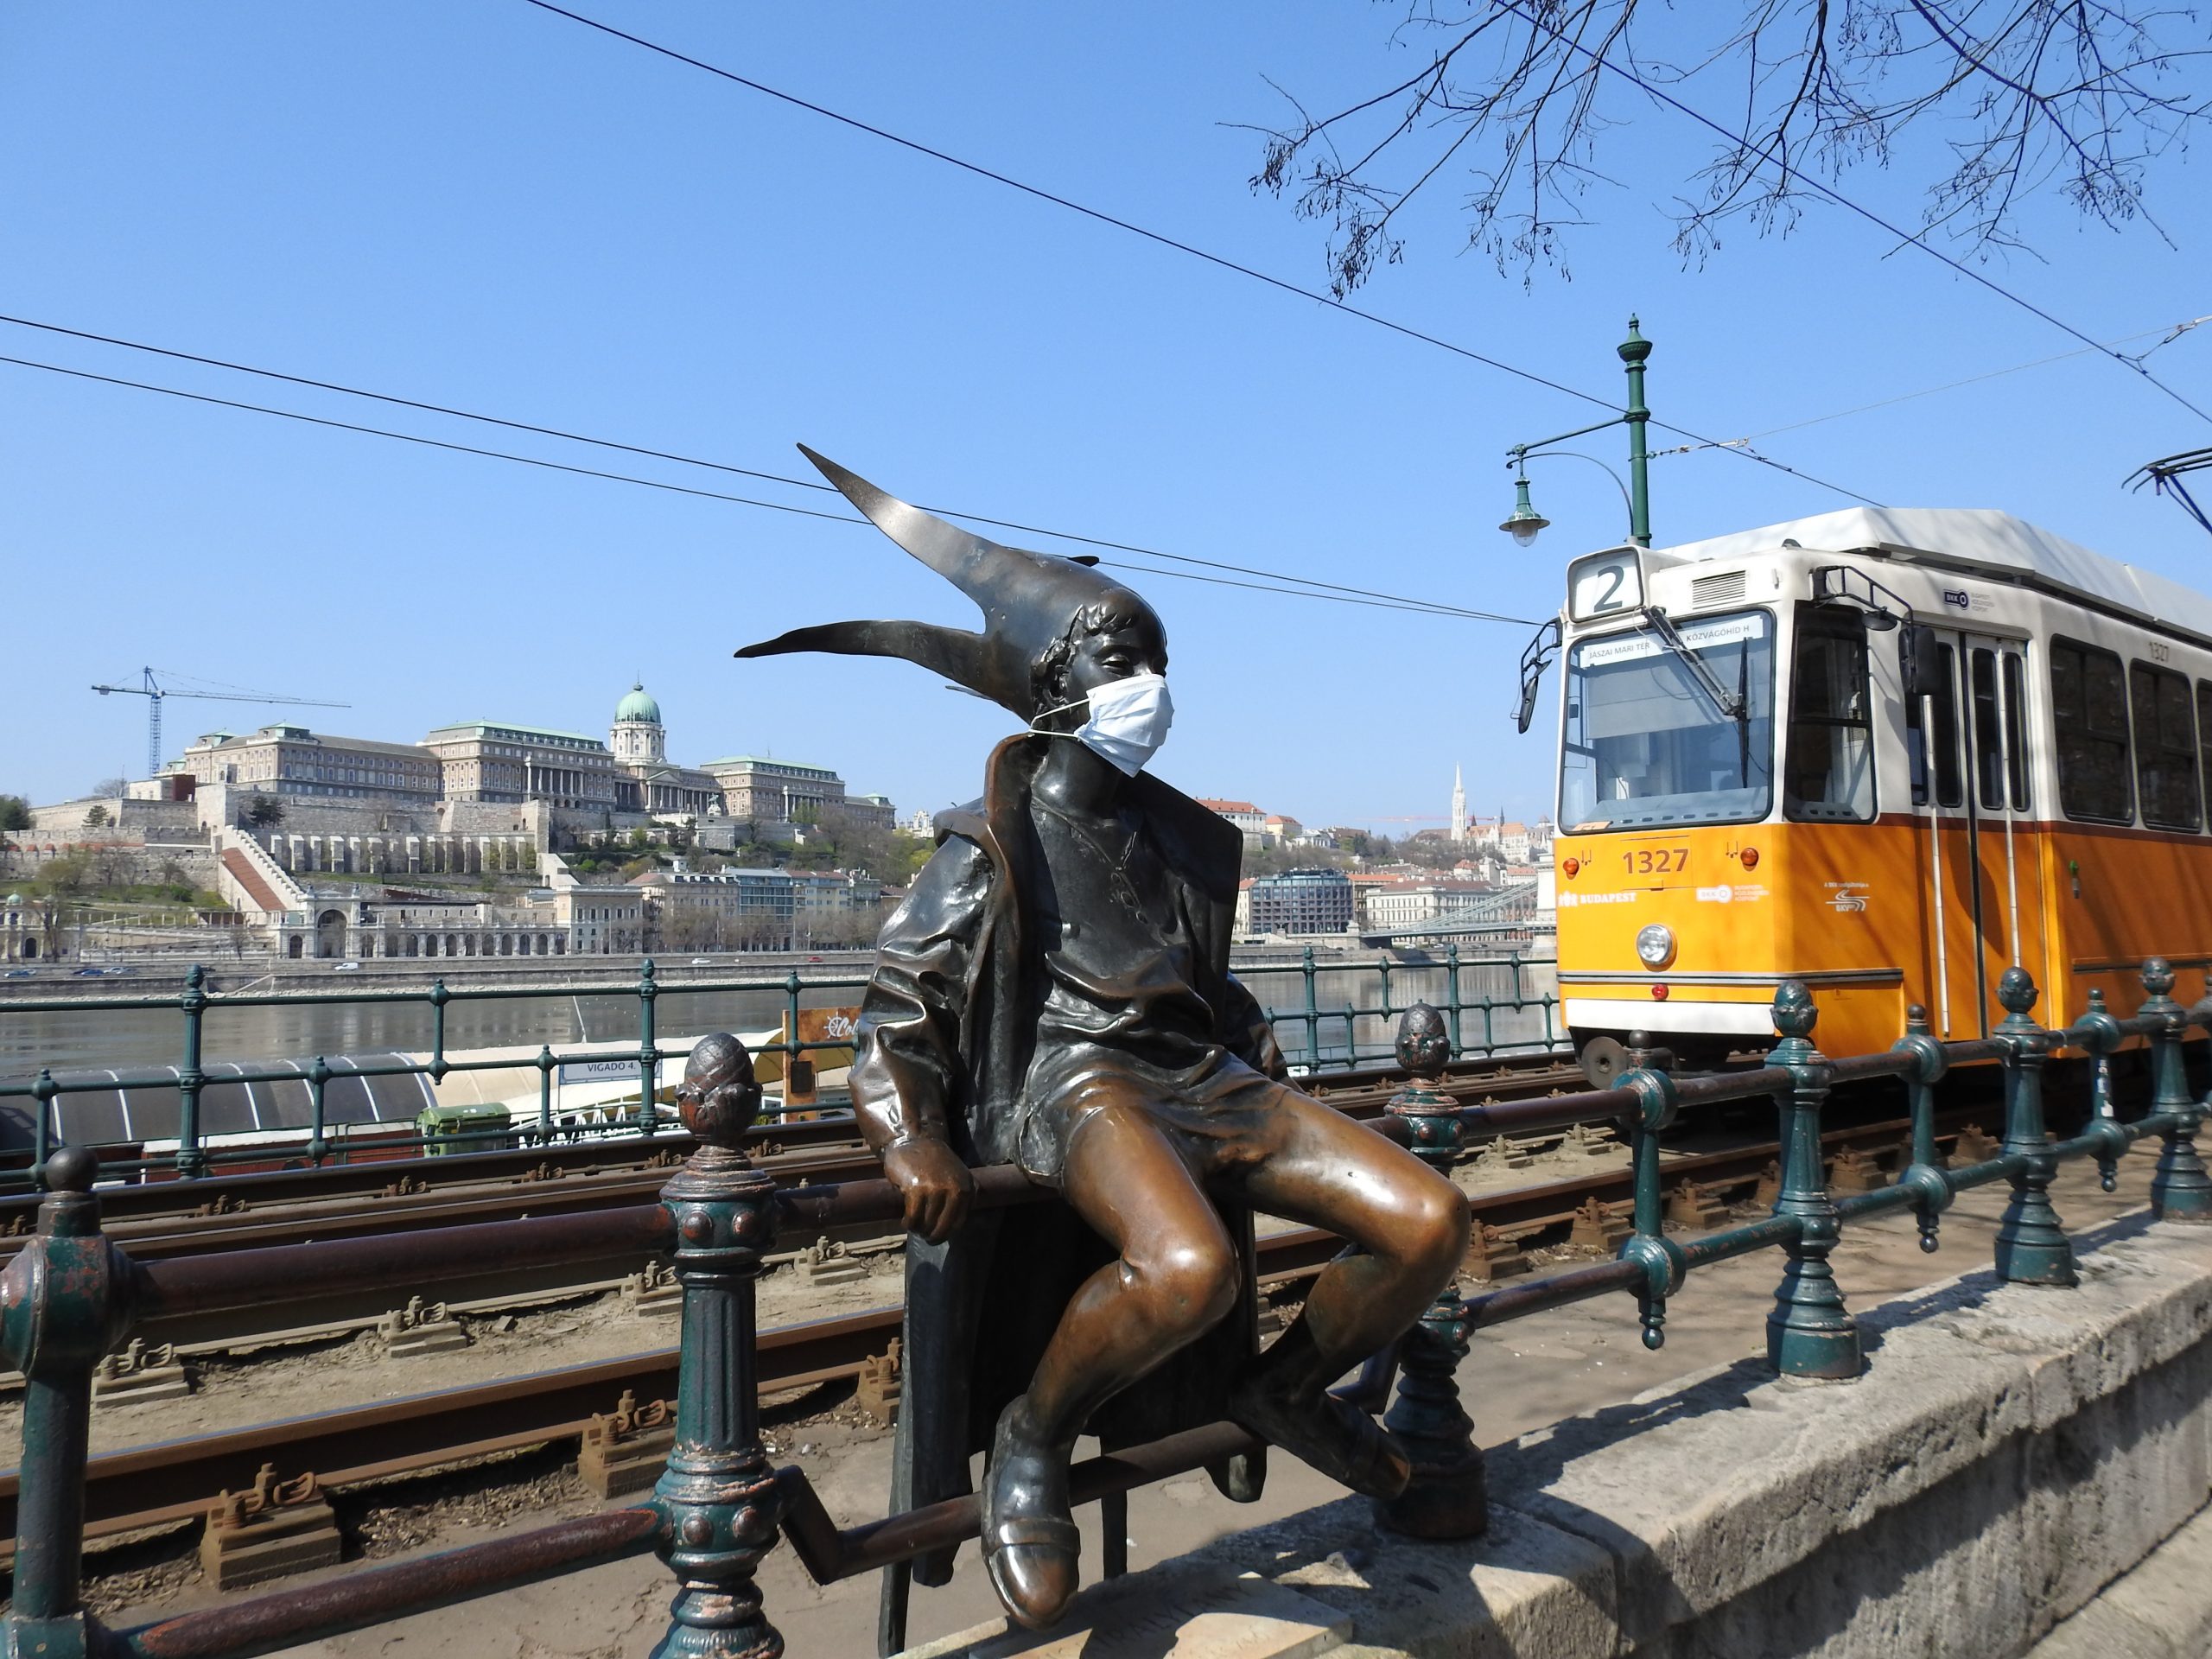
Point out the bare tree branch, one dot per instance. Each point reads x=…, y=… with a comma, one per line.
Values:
x=2024, y=97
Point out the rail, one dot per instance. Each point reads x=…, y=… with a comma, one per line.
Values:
x=72, y=1296
x=1440, y=982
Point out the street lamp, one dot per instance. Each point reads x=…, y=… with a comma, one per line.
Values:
x=1636, y=494
x=1526, y=520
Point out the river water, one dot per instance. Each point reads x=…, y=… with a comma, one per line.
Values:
x=129, y=1039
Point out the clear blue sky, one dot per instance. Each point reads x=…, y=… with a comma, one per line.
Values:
x=490, y=207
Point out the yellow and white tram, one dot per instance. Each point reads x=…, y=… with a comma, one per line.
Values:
x=1889, y=753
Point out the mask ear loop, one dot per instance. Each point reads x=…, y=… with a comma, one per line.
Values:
x=1046, y=713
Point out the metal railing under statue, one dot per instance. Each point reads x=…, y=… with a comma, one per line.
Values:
x=1331, y=1013
x=71, y=1296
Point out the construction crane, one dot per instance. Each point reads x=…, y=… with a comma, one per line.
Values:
x=155, y=694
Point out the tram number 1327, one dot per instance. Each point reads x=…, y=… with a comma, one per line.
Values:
x=1655, y=860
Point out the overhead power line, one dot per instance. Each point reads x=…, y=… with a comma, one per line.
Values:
x=1334, y=593
x=2171, y=332
x=1836, y=196
x=1169, y=242
x=668, y=455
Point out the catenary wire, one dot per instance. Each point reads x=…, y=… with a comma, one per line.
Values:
x=1165, y=241
x=1379, y=601
x=427, y=443
x=1419, y=607
x=1835, y=196
x=688, y=461
x=2172, y=333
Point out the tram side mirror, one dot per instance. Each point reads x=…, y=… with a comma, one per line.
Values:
x=1918, y=665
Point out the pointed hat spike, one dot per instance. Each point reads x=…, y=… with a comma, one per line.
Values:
x=954, y=652
x=989, y=572
x=1027, y=599
x=960, y=556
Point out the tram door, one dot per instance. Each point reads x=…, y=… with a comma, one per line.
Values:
x=1966, y=735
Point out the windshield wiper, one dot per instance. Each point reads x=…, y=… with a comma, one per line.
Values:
x=1730, y=704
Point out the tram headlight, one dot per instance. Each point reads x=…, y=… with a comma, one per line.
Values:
x=1655, y=946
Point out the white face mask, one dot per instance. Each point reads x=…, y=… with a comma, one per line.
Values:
x=1128, y=721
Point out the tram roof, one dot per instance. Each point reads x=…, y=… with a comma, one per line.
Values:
x=1976, y=537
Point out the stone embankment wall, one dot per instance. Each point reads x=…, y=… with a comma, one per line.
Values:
x=2008, y=1454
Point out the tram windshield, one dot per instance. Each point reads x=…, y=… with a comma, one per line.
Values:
x=1647, y=740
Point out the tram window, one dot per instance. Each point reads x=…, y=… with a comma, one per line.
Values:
x=1951, y=788
x=2016, y=726
x=2088, y=708
x=2204, y=726
x=2166, y=748
x=1988, y=750
x=1652, y=740
x=1830, y=773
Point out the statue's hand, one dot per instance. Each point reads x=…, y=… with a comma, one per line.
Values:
x=938, y=1188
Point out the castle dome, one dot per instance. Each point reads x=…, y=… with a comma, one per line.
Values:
x=637, y=705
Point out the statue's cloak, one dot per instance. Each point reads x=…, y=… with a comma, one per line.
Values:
x=947, y=1033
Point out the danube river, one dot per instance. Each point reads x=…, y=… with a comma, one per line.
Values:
x=128, y=1039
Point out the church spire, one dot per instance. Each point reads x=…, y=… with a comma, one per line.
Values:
x=1458, y=805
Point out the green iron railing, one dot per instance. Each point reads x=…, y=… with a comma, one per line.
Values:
x=1363, y=1044
x=1344, y=1036
x=71, y=1295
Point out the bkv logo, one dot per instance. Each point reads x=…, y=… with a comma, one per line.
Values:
x=1849, y=898
x=1957, y=596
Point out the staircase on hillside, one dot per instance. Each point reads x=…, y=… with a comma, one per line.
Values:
x=253, y=883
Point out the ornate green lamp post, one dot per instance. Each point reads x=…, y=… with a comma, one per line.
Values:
x=1636, y=494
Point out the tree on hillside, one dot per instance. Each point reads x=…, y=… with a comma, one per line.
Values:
x=69, y=875
x=15, y=812
x=96, y=816
x=889, y=855
x=264, y=811
x=1983, y=104
x=53, y=922
x=1274, y=861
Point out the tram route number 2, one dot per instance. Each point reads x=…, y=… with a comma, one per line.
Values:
x=1655, y=860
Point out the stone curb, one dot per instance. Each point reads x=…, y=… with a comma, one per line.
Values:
x=2009, y=1452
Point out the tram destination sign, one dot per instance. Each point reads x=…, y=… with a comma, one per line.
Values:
x=1698, y=636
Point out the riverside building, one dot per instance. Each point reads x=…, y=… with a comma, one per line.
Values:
x=476, y=794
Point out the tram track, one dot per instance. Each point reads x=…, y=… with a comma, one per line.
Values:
x=335, y=1206
x=168, y=1483
x=510, y=1191
x=159, y=1219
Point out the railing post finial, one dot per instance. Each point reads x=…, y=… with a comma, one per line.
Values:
x=2032, y=1248
x=717, y=1498
x=1662, y=1260
x=2180, y=1191
x=1925, y=1175
x=1810, y=1333
x=64, y=1300
x=1448, y=1495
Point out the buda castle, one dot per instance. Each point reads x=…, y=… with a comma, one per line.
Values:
x=528, y=787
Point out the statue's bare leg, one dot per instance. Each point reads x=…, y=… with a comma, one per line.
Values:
x=1176, y=1278
x=1411, y=1225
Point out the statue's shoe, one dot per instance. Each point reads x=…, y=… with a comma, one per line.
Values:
x=1334, y=1438
x=1030, y=1542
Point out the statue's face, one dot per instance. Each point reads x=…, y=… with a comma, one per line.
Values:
x=1101, y=658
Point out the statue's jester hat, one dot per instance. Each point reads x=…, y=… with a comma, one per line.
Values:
x=1027, y=599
